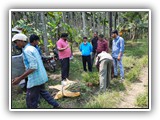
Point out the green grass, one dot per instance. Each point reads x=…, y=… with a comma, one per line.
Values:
x=105, y=100
x=91, y=77
x=133, y=74
x=142, y=100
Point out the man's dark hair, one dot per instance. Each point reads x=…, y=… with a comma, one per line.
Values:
x=115, y=32
x=101, y=35
x=64, y=35
x=84, y=37
x=33, y=37
x=96, y=32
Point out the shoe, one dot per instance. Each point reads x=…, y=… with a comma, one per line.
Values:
x=115, y=76
x=64, y=82
x=121, y=80
x=58, y=107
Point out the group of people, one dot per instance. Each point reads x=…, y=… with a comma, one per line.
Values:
x=99, y=48
x=36, y=73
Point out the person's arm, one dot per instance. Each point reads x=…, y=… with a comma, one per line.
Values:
x=80, y=47
x=91, y=48
x=97, y=62
x=60, y=48
x=17, y=80
x=121, y=49
x=92, y=42
x=107, y=46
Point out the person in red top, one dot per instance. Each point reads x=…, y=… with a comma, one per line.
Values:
x=102, y=44
x=64, y=53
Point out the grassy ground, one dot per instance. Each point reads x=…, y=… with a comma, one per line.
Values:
x=135, y=58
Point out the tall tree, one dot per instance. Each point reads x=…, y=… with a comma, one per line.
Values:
x=110, y=28
x=94, y=24
x=115, y=20
x=84, y=23
x=44, y=33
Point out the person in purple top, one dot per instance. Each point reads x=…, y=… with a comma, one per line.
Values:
x=102, y=44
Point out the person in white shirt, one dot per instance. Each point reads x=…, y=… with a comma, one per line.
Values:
x=104, y=64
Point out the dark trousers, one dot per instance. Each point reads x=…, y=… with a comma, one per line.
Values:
x=87, y=59
x=64, y=68
x=92, y=58
x=33, y=95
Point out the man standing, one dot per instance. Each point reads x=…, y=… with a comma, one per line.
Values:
x=104, y=62
x=33, y=40
x=86, y=49
x=117, y=53
x=94, y=44
x=37, y=76
x=102, y=44
x=64, y=53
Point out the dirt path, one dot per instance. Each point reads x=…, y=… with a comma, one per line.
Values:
x=129, y=97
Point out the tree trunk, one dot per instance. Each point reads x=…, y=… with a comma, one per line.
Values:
x=44, y=33
x=99, y=24
x=104, y=24
x=94, y=27
x=37, y=20
x=84, y=23
x=13, y=19
x=71, y=19
x=110, y=28
x=115, y=20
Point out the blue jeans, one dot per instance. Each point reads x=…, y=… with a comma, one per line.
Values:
x=33, y=95
x=117, y=63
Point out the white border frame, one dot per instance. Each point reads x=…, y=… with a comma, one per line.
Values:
x=56, y=10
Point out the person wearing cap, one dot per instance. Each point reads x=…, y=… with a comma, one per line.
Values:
x=117, y=54
x=86, y=49
x=37, y=76
x=104, y=63
x=102, y=44
x=64, y=53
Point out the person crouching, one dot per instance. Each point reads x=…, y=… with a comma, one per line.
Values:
x=104, y=64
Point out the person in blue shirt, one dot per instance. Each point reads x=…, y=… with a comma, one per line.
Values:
x=37, y=76
x=117, y=54
x=86, y=50
x=33, y=40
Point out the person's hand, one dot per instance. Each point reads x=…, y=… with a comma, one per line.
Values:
x=67, y=47
x=16, y=80
x=119, y=57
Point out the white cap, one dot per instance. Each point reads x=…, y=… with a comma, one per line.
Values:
x=19, y=36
